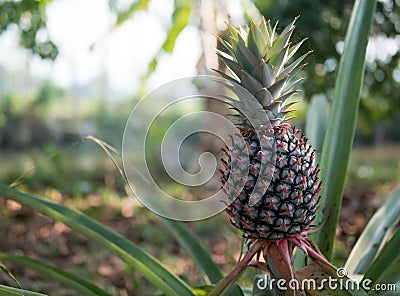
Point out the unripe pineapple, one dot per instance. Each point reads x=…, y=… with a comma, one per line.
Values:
x=261, y=61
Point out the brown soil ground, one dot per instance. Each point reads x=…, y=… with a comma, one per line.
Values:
x=27, y=232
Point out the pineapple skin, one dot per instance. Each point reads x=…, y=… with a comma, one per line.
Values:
x=289, y=203
x=260, y=60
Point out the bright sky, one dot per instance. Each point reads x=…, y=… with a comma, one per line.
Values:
x=76, y=25
x=124, y=53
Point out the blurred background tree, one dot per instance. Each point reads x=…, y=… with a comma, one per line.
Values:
x=30, y=18
x=64, y=114
x=325, y=24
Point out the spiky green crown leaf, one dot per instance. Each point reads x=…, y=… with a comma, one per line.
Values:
x=261, y=60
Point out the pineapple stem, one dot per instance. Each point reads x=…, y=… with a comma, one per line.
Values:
x=237, y=271
x=260, y=265
x=276, y=252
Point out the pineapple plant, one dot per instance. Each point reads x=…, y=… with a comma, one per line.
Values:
x=275, y=213
x=257, y=61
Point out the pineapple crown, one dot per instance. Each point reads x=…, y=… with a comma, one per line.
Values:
x=260, y=60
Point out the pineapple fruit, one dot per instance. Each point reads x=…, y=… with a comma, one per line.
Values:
x=259, y=60
x=276, y=215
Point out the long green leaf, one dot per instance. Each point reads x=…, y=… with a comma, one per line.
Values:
x=5, y=290
x=317, y=122
x=54, y=273
x=370, y=241
x=131, y=254
x=195, y=250
x=342, y=123
x=383, y=275
x=385, y=269
x=9, y=274
x=198, y=253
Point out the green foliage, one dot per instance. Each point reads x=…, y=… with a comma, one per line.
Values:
x=373, y=237
x=198, y=254
x=195, y=249
x=22, y=117
x=179, y=20
x=9, y=291
x=131, y=254
x=54, y=273
x=317, y=122
x=128, y=13
x=10, y=275
x=29, y=16
x=385, y=268
x=6, y=290
x=342, y=123
x=325, y=23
